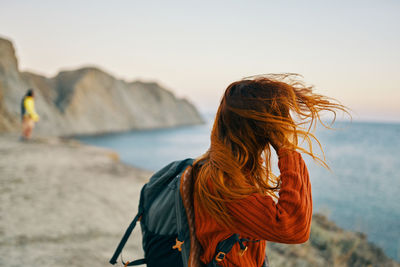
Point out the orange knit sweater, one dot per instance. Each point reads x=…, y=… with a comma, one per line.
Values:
x=258, y=217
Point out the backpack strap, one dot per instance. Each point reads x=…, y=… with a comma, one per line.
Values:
x=225, y=246
x=134, y=263
x=128, y=232
x=124, y=239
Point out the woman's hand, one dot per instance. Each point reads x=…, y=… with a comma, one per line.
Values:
x=279, y=140
x=276, y=144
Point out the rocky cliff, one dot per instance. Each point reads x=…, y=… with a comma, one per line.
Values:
x=87, y=101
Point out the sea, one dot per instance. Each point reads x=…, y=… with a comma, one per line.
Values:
x=360, y=192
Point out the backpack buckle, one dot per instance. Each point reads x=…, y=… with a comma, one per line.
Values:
x=178, y=244
x=220, y=256
x=242, y=251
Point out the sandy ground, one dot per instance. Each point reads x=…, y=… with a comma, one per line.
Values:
x=64, y=204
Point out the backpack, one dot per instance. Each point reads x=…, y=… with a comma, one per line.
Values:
x=163, y=220
x=23, y=109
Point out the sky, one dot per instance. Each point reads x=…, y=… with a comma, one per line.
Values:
x=349, y=50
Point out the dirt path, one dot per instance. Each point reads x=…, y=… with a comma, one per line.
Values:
x=63, y=203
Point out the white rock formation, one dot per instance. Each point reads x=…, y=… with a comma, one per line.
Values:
x=87, y=101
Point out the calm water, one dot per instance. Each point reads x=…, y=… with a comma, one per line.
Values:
x=361, y=192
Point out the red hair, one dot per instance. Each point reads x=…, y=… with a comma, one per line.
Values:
x=254, y=114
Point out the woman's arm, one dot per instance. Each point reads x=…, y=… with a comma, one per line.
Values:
x=287, y=221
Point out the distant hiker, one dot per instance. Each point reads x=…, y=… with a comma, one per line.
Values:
x=28, y=114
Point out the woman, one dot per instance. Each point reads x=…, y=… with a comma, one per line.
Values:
x=28, y=114
x=235, y=191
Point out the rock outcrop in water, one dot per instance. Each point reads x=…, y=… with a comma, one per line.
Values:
x=87, y=101
x=66, y=204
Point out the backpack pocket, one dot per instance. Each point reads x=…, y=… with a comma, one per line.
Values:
x=160, y=218
x=159, y=252
x=160, y=229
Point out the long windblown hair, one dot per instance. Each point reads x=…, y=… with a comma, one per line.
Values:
x=255, y=113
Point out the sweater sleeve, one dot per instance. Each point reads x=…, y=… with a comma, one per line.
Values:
x=288, y=220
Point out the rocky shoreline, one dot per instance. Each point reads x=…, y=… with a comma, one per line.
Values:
x=67, y=204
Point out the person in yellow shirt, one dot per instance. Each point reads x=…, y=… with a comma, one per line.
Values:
x=28, y=114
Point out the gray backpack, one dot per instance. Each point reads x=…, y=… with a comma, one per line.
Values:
x=164, y=224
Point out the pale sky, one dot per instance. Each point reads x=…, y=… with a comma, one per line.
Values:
x=350, y=50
